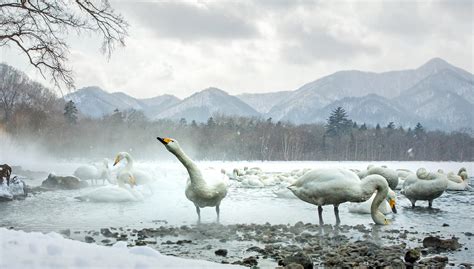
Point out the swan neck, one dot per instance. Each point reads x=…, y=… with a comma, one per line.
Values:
x=193, y=171
x=375, y=183
x=129, y=164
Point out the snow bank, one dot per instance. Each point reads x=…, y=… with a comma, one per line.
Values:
x=19, y=249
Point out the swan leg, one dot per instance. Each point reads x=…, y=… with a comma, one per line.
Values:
x=320, y=214
x=198, y=211
x=218, y=213
x=336, y=212
x=430, y=203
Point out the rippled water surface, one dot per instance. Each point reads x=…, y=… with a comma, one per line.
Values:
x=57, y=210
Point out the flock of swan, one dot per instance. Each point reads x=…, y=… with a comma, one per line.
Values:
x=368, y=191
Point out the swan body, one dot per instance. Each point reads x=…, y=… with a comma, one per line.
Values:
x=336, y=186
x=457, y=182
x=140, y=177
x=203, y=192
x=390, y=175
x=94, y=172
x=114, y=193
x=424, y=186
x=364, y=207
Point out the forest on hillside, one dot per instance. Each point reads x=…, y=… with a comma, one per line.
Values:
x=36, y=117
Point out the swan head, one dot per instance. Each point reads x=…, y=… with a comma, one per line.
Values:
x=170, y=144
x=380, y=218
x=463, y=175
x=120, y=156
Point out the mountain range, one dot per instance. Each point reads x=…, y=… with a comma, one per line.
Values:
x=437, y=94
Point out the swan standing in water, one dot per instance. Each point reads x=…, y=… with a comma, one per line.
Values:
x=202, y=192
x=140, y=177
x=424, y=186
x=334, y=186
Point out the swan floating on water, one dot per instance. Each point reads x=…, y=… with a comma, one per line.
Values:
x=334, y=186
x=458, y=182
x=140, y=177
x=94, y=172
x=424, y=186
x=203, y=192
x=114, y=193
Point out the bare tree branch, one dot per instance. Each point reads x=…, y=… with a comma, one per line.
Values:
x=39, y=28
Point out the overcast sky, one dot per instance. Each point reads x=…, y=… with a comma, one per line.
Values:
x=180, y=47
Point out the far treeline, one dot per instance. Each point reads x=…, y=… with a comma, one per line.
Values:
x=58, y=128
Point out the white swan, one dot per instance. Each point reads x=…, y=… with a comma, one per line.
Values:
x=424, y=186
x=94, y=172
x=114, y=193
x=390, y=175
x=207, y=192
x=334, y=186
x=386, y=207
x=140, y=177
x=457, y=182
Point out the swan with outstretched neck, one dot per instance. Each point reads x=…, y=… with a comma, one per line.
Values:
x=202, y=192
x=334, y=186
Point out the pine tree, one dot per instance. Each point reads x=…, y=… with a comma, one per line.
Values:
x=391, y=125
x=363, y=127
x=419, y=130
x=338, y=122
x=70, y=112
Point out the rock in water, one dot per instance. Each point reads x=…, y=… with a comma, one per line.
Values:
x=298, y=258
x=438, y=243
x=63, y=183
x=412, y=255
x=221, y=252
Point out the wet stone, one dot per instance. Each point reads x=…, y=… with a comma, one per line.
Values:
x=412, y=255
x=89, y=239
x=441, y=244
x=221, y=252
x=66, y=232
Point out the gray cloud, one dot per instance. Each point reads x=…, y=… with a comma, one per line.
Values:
x=305, y=45
x=190, y=22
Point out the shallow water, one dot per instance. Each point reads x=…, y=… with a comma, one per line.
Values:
x=57, y=210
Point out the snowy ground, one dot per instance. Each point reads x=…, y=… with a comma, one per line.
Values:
x=19, y=249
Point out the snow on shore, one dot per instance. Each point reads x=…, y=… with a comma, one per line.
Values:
x=20, y=249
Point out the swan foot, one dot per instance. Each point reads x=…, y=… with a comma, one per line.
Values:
x=218, y=213
x=336, y=212
x=320, y=214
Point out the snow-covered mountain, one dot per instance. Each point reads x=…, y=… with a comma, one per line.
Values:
x=94, y=102
x=304, y=104
x=204, y=104
x=370, y=109
x=442, y=100
x=155, y=105
x=263, y=102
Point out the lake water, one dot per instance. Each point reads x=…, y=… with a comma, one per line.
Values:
x=57, y=210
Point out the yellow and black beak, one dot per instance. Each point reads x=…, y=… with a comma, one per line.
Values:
x=132, y=181
x=392, y=205
x=117, y=160
x=165, y=140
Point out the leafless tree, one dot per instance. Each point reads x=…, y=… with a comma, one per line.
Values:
x=39, y=28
